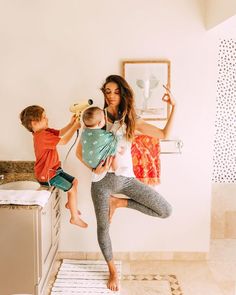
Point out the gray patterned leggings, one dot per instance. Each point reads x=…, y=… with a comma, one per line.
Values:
x=142, y=198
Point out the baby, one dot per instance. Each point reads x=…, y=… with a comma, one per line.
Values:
x=47, y=164
x=97, y=144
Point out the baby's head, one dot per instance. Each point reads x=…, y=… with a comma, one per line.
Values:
x=93, y=117
x=33, y=118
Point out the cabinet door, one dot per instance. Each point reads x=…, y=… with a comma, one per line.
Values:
x=46, y=230
x=49, y=215
x=56, y=217
x=18, y=258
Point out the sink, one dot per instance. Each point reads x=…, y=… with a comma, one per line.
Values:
x=20, y=185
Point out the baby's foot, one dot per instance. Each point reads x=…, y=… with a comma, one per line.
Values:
x=67, y=207
x=78, y=221
x=113, y=282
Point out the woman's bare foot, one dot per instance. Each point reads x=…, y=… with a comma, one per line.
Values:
x=67, y=207
x=113, y=282
x=112, y=207
x=116, y=203
x=79, y=222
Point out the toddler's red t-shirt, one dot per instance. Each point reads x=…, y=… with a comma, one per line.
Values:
x=47, y=158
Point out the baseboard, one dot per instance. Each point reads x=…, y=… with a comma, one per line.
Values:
x=129, y=256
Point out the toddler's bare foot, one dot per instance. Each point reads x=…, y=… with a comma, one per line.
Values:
x=113, y=282
x=67, y=207
x=79, y=222
x=116, y=203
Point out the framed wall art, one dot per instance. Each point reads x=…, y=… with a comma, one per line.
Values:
x=148, y=80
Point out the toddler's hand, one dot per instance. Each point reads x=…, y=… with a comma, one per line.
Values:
x=77, y=124
x=73, y=119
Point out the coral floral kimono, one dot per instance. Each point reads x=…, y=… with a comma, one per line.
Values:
x=146, y=162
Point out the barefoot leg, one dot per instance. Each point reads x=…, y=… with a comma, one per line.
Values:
x=113, y=281
x=72, y=204
x=67, y=207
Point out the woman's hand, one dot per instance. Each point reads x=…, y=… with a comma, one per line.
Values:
x=168, y=97
x=103, y=166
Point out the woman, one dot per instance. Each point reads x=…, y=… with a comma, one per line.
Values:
x=122, y=119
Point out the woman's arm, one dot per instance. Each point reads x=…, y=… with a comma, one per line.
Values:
x=102, y=167
x=148, y=129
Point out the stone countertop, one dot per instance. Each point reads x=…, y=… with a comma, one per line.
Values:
x=16, y=167
x=10, y=177
x=18, y=171
x=17, y=176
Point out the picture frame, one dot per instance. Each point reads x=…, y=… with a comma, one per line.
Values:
x=146, y=79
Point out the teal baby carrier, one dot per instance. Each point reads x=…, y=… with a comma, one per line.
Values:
x=97, y=145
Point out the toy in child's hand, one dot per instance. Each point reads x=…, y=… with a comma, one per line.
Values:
x=77, y=108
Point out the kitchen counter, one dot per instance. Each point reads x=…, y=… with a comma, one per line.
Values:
x=18, y=171
x=17, y=176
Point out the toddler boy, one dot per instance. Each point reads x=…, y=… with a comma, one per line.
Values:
x=47, y=164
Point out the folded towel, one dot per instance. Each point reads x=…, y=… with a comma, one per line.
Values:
x=145, y=152
x=24, y=197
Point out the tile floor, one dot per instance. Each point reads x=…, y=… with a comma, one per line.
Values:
x=216, y=276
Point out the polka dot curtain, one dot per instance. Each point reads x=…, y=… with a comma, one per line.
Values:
x=224, y=160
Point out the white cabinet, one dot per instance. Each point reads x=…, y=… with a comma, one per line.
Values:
x=28, y=244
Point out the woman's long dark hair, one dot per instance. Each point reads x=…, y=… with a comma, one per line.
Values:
x=126, y=108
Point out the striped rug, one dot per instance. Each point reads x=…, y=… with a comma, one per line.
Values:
x=83, y=277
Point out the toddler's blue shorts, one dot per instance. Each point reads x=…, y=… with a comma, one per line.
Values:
x=61, y=180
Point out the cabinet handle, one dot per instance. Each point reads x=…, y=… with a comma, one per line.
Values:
x=57, y=195
x=57, y=212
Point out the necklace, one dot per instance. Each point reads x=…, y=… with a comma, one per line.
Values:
x=112, y=117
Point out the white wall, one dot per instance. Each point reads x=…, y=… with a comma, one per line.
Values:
x=217, y=11
x=54, y=53
x=223, y=194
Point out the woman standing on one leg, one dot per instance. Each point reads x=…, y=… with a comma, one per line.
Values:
x=122, y=119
